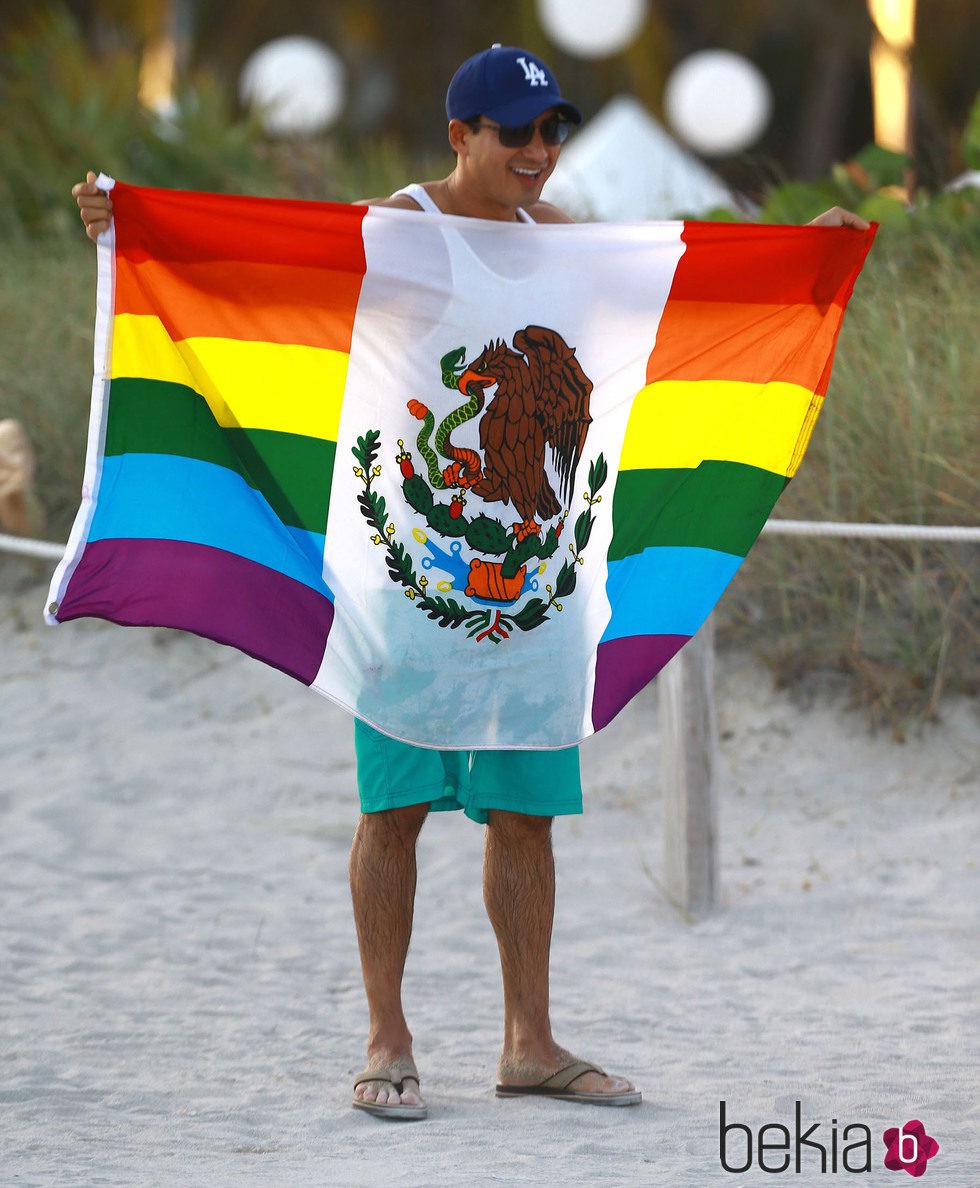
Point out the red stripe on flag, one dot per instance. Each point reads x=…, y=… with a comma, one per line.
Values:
x=184, y=225
x=768, y=265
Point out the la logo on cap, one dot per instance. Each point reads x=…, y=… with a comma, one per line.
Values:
x=533, y=72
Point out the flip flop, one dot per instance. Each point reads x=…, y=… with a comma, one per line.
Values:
x=557, y=1087
x=396, y=1075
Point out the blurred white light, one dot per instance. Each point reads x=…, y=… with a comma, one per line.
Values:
x=717, y=102
x=895, y=20
x=158, y=68
x=297, y=84
x=592, y=28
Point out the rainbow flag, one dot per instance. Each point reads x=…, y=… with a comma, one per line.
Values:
x=475, y=482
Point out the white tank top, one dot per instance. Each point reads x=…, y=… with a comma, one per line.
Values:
x=420, y=195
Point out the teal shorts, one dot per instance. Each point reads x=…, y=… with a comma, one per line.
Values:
x=393, y=774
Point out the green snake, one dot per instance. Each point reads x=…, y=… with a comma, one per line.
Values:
x=468, y=460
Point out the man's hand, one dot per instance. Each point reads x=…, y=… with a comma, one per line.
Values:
x=94, y=205
x=837, y=216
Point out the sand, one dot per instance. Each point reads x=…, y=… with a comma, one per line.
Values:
x=180, y=1000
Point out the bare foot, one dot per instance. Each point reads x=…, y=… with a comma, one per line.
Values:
x=531, y=1071
x=390, y=1089
x=386, y=1092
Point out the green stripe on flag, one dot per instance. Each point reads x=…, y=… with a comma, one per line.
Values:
x=293, y=472
x=717, y=505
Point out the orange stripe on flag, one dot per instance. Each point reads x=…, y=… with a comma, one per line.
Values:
x=754, y=344
x=304, y=306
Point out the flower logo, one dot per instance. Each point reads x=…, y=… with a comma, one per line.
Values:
x=909, y=1148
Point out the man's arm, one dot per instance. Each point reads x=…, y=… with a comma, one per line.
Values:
x=540, y=212
x=545, y=212
x=837, y=216
x=400, y=202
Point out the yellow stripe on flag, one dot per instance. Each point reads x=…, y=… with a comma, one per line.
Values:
x=680, y=423
x=249, y=385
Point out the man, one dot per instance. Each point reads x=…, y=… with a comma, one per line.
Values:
x=507, y=121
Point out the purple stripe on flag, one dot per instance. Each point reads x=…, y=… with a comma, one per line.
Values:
x=623, y=666
x=224, y=597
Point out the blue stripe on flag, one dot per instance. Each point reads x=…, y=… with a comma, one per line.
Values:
x=666, y=591
x=164, y=497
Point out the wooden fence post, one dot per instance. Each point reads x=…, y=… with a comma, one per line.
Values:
x=689, y=762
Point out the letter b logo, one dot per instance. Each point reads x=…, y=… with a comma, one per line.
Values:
x=908, y=1147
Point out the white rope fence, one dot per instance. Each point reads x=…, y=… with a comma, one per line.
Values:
x=31, y=548
x=950, y=534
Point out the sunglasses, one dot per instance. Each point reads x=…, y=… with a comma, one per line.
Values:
x=554, y=130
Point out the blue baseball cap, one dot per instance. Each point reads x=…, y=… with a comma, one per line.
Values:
x=507, y=85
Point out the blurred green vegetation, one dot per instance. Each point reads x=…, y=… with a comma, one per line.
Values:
x=76, y=112
x=897, y=441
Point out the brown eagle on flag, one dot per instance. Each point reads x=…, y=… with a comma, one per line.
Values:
x=541, y=399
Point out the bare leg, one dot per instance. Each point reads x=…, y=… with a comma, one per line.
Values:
x=382, y=881
x=519, y=893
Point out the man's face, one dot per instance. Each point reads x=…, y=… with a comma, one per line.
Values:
x=511, y=176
